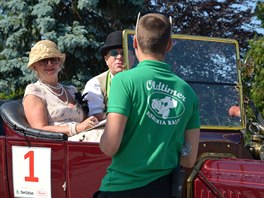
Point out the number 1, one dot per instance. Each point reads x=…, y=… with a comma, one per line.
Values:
x=31, y=177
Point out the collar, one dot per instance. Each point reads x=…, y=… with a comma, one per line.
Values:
x=154, y=63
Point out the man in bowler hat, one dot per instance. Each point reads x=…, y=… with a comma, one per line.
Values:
x=97, y=89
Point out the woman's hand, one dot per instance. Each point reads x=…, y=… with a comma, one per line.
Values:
x=87, y=124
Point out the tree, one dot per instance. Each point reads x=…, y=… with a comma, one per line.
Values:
x=79, y=27
x=253, y=70
x=224, y=19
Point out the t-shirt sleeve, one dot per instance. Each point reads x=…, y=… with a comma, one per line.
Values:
x=33, y=89
x=119, y=99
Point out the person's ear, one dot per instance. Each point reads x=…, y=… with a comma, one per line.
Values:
x=169, y=46
x=135, y=44
x=106, y=59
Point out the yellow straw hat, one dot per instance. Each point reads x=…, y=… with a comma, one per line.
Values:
x=42, y=50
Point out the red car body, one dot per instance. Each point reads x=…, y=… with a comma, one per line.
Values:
x=80, y=166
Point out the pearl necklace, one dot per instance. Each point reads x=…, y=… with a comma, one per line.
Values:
x=57, y=87
x=54, y=93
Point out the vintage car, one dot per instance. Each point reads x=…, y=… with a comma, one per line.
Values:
x=36, y=163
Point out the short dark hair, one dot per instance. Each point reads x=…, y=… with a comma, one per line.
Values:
x=153, y=33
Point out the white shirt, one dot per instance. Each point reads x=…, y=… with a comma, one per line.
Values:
x=94, y=96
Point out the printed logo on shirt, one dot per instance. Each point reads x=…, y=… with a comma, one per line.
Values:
x=165, y=104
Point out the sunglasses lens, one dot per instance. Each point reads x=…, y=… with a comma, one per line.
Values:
x=43, y=62
x=54, y=60
x=115, y=53
x=46, y=61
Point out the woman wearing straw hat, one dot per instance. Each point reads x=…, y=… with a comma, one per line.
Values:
x=48, y=104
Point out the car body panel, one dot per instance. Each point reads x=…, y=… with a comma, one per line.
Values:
x=86, y=165
x=58, y=166
x=76, y=168
x=231, y=177
x=4, y=191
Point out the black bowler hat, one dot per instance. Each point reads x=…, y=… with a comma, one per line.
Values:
x=113, y=41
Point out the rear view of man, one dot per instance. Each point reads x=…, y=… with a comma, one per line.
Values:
x=151, y=113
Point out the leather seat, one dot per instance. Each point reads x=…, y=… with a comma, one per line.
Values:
x=12, y=113
x=1, y=120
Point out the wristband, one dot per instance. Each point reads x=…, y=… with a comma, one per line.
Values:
x=72, y=128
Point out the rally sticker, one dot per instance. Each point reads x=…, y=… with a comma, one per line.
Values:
x=31, y=172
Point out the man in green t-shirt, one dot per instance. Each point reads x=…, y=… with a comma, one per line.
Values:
x=151, y=113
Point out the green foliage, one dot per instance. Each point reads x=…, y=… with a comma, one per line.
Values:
x=253, y=72
x=12, y=95
x=260, y=12
x=223, y=19
x=79, y=27
x=257, y=86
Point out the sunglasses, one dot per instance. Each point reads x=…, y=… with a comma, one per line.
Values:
x=46, y=61
x=115, y=52
x=141, y=14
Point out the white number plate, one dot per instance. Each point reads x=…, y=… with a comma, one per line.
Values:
x=31, y=171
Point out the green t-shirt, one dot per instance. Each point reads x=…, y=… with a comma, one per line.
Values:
x=159, y=106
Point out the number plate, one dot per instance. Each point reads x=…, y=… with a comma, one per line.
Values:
x=31, y=171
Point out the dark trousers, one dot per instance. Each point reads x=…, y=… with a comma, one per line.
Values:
x=160, y=188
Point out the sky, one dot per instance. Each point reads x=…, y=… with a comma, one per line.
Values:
x=247, y=4
x=253, y=3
